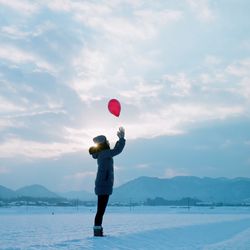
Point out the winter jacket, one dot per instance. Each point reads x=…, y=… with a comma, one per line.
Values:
x=105, y=173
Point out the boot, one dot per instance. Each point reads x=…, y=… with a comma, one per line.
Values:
x=98, y=231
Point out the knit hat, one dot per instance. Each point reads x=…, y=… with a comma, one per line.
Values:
x=100, y=139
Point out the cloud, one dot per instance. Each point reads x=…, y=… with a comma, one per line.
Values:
x=15, y=108
x=37, y=113
x=114, y=53
x=142, y=166
x=23, y=7
x=80, y=180
x=15, y=55
x=175, y=66
x=8, y=107
x=239, y=68
x=81, y=175
x=113, y=57
x=14, y=147
x=14, y=32
x=171, y=172
x=90, y=66
x=4, y=124
x=141, y=23
x=172, y=119
x=142, y=90
x=179, y=84
x=7, y=123
x=202, y=10
x=144, y=24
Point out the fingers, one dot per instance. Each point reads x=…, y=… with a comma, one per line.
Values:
x=121, y=129
x=121, y=132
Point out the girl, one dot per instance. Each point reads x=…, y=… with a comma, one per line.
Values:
x=105, y=173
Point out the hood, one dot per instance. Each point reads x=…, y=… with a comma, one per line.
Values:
x=100, y=139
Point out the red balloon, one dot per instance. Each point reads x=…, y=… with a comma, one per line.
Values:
x=114, y=107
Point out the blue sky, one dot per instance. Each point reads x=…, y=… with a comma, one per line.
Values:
x=181, y=70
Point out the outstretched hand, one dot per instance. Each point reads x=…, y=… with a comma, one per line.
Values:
x=121, y=133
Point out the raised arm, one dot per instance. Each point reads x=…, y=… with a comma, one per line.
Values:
x=118, y=146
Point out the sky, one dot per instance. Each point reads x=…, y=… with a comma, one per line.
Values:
x=181, y=70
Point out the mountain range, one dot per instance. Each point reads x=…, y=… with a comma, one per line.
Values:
x=33, y=191
x=205, y=189
x=142, y=188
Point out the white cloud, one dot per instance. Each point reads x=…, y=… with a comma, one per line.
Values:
x=23, y=7
x=38, y=112
x=171, y=172
x=240, y=68
x=24, y=107
x=60, y=5
x=245, y=88
x=142, y=22
x=6, y=123
x=172, y=119
x=80, y=180
x=43, y=28
x=143, y=25
x=213, y=79
x=7, y=106
x=142, y=166
x=141, y=90
x=90, y=66
x=120, y=54
x=113, y=58
x=14, y=147
x=14, y=32
x=202, y=10
x=75, y=6
x=81, y=175
x=219, y=80
x=179, y=84
x=168, y=120
x=18, y=56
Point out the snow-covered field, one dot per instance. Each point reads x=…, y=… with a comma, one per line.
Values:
x=126, y=228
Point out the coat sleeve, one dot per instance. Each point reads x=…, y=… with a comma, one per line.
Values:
x=116, y=150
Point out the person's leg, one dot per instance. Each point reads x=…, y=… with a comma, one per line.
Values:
x=101, y=207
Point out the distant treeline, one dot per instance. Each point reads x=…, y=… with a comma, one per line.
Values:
x=158, y=201
x=63, y=202
x=43, y=201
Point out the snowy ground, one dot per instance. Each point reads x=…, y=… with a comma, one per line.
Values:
x=137, y=228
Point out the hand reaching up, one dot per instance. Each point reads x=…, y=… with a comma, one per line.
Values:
x=121, y=133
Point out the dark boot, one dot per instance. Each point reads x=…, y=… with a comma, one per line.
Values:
x=98, y=231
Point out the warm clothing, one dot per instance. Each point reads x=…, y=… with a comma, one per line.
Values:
x=101, y=207
x=105, y=173
x=100, y=139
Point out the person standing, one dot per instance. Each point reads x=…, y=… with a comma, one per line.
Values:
x=105, y=174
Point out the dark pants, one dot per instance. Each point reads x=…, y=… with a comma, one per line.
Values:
x=101, y=207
